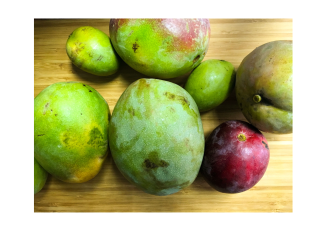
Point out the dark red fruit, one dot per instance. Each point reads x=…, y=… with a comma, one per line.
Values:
x=236, y=157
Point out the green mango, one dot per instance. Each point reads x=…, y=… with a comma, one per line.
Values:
x=91, y=50
x=40, y=177
x=156, y=136
x=211, y=83
x=71, y=131
x=161, y=48
x=264, y=87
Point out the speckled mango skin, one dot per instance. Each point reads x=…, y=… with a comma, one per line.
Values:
x=161, y=48
x=40, y=177
x=91, y=50
x=210, y=83
x=156, y=136
x=268, y=72
x=71, y=131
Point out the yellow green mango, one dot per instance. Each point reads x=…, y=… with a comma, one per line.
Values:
x=71, y=131
x=90, y=49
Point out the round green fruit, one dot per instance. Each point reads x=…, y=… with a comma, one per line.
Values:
x=264, y=87
x=40, y=177
x=161, y=48
x=90, y=50
x=211, y=83
x=156, y=136
x=71, y=131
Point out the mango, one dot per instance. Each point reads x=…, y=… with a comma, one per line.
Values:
x=90, y=49
x=71, y=131
x=161, y=48
x=40, y=177
x=156, y=136
x=210, y=83
x=264, y=87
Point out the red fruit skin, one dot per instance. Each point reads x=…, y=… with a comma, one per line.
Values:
x=234, y=166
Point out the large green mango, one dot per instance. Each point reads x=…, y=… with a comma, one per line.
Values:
x=71, y=131
x=156, y=136
x=161, y=48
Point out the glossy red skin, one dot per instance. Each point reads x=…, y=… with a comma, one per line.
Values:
x=161, y=48
x=233, y=166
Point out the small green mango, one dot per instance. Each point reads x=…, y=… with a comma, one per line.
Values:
x=40, y=177
x=156, y=136
x=91, y=50
x=211, y=83
x=71, y=131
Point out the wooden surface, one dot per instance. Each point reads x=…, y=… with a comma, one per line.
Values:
x=109, y=191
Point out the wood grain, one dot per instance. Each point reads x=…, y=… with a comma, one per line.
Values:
x=109, y=191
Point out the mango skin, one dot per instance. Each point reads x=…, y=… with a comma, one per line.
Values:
x=211, y=83
x=156, y=136
x=71, y=131
x=40, y=177
x=90, y=49
x=267, y=72
x=161, y=48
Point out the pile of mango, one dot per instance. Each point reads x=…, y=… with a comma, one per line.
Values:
x=154, y=133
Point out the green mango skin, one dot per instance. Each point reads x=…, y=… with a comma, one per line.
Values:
x=267, y=72
x=211, y=83
x=91, y=50
x=40, y=177
x=161, y=48
x=156, y=136
x=71, y=131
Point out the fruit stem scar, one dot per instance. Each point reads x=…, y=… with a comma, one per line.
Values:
x=241, y=137
x=257, y=98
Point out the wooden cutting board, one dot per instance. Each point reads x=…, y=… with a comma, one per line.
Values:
x=109, y=191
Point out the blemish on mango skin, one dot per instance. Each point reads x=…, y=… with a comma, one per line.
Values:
x=196, y=59
x=45, y=108
x=172, y=96
x=100, y=58
x=131, y=111
x=135, y=46
x=96, y=138
x=153, y=162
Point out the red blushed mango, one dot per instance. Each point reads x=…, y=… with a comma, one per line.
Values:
x=161, y=48
x=71, y=131
x=236, y=157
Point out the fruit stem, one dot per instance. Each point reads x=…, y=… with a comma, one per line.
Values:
x=257, y=98
x=241, y=137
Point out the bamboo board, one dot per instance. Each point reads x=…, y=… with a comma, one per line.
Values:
x=109, y=191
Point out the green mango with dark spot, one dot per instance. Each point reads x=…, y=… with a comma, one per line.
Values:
x=40, y=177
x=71, y=131
x=156, y=136
x=90, y=49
